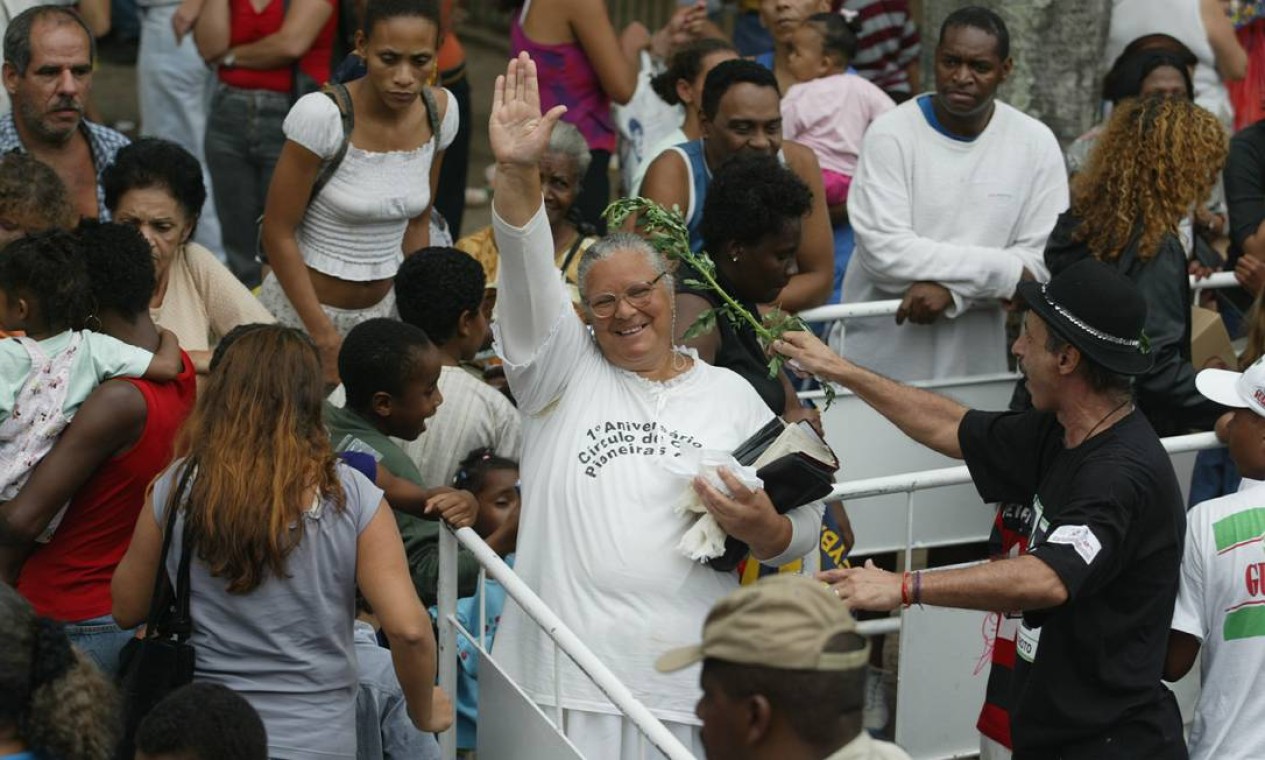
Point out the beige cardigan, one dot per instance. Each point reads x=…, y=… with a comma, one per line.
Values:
x=204, y=300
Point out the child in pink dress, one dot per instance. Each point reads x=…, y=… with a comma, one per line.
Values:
x=829, y=109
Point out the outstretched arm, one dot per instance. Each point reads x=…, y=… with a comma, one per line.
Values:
x=928, y=418
x=1020, y=583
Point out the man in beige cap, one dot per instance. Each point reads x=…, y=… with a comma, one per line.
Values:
x=783, y=676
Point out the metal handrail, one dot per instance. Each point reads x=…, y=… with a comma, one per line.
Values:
x=550, y=623
x=960, y=475
x=840, y=311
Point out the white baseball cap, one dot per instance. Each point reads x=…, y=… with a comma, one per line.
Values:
x=1244, y=390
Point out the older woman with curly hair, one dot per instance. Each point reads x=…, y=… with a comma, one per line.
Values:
x=53, y=700
x=156, y=186
x=1156, y=158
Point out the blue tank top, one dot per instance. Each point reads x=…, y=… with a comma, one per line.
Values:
x=699, y=179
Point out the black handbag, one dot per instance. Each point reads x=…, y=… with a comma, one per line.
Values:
x=156, y=665
x=790, y=481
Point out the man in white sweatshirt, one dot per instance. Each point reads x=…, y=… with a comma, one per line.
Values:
x=952, y=201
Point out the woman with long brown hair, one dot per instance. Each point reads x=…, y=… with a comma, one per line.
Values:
x=1157, y=158
x=283, y=534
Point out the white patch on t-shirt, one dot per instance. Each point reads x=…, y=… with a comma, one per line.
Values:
x=1080, y=538
x=1027, y=641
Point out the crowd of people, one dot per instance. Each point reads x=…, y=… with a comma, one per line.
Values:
x=250, y=365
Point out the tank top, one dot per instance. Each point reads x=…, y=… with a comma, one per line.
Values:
x=568, y=78
x=699, y=179
x=69, y=577
x=1182, y=19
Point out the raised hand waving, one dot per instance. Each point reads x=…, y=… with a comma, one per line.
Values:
x=517, y=130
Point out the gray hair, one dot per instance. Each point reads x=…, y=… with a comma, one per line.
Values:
x=567, y=140
x=618, y=242
x=17, y=37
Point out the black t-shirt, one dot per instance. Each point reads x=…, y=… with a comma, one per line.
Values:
x=1245, y=185
x=1110, y=522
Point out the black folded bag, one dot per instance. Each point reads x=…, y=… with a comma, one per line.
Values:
x=790, y=481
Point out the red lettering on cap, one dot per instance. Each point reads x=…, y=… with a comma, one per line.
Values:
x=1259, y=395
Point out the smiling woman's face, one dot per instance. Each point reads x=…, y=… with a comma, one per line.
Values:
x=635, y=338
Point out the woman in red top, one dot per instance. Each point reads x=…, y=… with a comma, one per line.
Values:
x=261, y=47
x=120, y=440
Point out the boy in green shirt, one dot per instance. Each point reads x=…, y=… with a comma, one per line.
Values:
x=390, y=372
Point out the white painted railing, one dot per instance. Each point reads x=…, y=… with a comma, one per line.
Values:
x=842, y=311
x=565, y=640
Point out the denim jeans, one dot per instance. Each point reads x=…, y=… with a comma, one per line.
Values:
x=243, y=141
x=1214, y=475
x=173, y=89
x=102, y=640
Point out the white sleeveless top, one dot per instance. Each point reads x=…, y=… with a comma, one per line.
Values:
x=1182, y=19
x=354, y=228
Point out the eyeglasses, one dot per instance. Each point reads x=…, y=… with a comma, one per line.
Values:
x=605, y=304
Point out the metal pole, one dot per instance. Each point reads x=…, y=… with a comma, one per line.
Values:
x=447, y=633
x=583, y=657
x=953, y=476
x=841, y=311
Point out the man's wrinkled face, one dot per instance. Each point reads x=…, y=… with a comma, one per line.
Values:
x=49, y=96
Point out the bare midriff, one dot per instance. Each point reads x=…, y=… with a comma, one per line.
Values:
x=346, y=294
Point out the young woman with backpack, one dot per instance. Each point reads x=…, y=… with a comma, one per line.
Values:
x=353, y=189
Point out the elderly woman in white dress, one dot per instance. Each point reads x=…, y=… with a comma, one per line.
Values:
x=602, y=415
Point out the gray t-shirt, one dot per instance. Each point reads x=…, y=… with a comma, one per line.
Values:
x=287, y=646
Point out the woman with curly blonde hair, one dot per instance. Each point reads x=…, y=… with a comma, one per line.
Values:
x=53, y=700
x=282, y=535
x=1156, y=159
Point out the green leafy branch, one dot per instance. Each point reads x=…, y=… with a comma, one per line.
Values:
x=666, y=231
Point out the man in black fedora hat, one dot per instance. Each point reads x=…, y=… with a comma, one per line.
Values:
x=1098, y=584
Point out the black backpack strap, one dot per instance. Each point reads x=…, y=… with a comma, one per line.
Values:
x=571, y=252
x=338, y=93
x=432, y=114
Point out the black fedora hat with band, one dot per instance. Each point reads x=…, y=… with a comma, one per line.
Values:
x=1098, y=310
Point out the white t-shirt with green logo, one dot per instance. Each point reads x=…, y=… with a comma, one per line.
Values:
x=1222, y=603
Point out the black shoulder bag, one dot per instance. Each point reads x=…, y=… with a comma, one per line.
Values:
x=162, y=661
